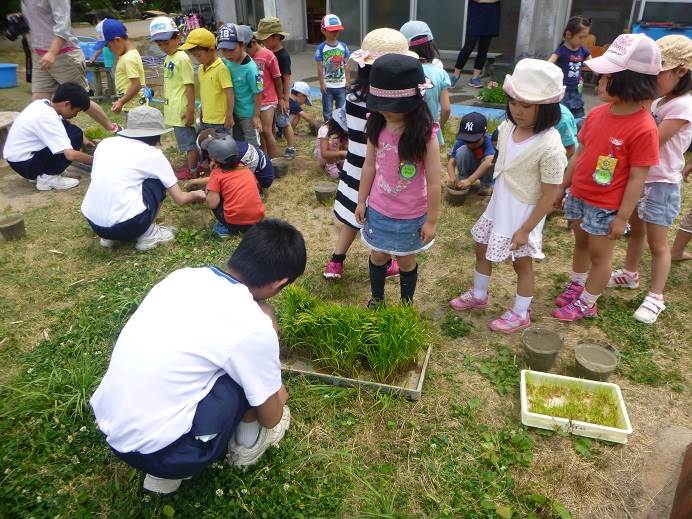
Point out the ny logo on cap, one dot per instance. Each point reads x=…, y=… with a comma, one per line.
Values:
x=468, y=126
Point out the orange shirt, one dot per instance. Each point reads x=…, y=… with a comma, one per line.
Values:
x=630, y=139
x=240, y=196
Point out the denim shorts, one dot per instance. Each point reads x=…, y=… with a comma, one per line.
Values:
x=186, y=137
x=244, y=130
x=394, y=236
x=574, y=102
x=660, y=203
x=594, y=220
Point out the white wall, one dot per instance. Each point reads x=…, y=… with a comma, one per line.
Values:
x=292, y=15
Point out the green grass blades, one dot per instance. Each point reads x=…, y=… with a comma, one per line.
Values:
x=346, y=339
x=455, y=326
x=574, y=402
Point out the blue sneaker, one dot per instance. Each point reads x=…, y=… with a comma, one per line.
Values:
x=220, y=231
x=475, y=82
x=453, y=80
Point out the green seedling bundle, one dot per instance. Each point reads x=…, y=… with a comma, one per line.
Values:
x=574, y=402
x=348, y=340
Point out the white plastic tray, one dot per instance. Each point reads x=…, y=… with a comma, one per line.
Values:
x=590, y=430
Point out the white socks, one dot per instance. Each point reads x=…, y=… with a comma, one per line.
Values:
x=480, y=285
x=521, y=305
x=589, y=299
x=246, y=433
x=579, y=278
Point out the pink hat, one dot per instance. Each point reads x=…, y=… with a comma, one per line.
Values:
x=635, y=52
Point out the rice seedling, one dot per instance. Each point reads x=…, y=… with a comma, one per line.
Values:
x=346, y=340
x=574, y=402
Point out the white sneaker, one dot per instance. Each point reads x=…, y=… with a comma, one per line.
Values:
x=107, y=244
x=161, y=234
x=621, y=279
x=59, y=182
x=243, y=457
x=161, y=485
x=649, y=310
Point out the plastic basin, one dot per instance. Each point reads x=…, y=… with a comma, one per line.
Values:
x=595, y=360
x=280, y=166
x=325, y=191
x=456, y=196
x=8, y=75
x=12, y=227
x=541, y=347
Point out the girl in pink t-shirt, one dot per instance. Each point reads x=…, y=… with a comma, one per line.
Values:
x=271, y=78
x=331, y=144
x=660, y=202
x=400, y=181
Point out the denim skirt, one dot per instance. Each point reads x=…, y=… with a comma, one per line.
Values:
x=392, y=235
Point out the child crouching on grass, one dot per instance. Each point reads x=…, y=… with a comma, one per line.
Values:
x=331, y=144
x=400, y=181
x=528, y=173
x=232, y=191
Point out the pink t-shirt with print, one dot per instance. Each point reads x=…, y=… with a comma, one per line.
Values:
x=671, y=154
x=269, y=67
x=399, y=189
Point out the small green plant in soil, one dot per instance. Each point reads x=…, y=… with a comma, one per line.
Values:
x=574, y=402
x=492, y=92
x=346, y=339
x=96, y=132
x=455, y=326
x=501, y=370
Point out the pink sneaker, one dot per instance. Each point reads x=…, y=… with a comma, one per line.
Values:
x=333, y=270
x=393, y=269
x=575, y=311
x=571, y=292
x=466, y=301
x=509, y=322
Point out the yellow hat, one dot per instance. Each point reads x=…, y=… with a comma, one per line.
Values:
x=676, y=51
x=199, y=38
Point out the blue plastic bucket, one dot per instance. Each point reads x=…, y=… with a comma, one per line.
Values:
x=88, y=49
x=8, y=75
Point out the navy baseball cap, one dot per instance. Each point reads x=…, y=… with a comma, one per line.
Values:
x=472, y=127
x=112, y=29
x=227, y=36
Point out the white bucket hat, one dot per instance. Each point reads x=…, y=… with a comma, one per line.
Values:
x=535, y=81
x=144, y=121
x=380, y=42
x=635, y=52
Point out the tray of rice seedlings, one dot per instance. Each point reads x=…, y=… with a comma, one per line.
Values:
x=578, y=406
x=385, y=349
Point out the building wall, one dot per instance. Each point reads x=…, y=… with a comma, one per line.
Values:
x=293, y=18
x=225, y=11
x=541, y=23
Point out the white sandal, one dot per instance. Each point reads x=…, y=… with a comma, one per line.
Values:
x=649, y=310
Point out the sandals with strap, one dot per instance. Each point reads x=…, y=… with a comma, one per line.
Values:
x=649, y=310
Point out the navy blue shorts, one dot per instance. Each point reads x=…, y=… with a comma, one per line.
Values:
x=217, y=413
x=44, y=162
x=153, y=194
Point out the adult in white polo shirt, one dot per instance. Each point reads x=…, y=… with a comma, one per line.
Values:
x=175, y=397
x=129, y=180
x=42, y=142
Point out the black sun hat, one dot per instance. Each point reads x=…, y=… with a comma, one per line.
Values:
x=397, y=84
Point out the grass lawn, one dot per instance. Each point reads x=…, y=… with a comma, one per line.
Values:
x=460, y=451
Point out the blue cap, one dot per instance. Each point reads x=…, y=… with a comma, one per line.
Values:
x=112, y=29
x=227, y=36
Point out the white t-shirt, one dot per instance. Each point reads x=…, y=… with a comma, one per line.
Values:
x=161, y=367
x=671, y=154
x=120, y=166
x=38, y=126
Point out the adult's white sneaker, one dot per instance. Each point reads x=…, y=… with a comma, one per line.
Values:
x=161, y=485
x=107, y=244
x=243, y=457
x=160, y=234
x=58, y=182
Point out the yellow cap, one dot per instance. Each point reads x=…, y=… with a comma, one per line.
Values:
x=199, y=38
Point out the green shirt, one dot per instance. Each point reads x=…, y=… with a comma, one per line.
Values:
x=247, y=83
x=177, y=72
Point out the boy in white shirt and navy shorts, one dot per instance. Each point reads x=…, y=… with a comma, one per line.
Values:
x=176, y=398
x=42, y=143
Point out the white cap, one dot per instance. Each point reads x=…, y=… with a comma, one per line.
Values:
x=162, y=28
x=303, y=88
x=535, y=81
x=635, y=52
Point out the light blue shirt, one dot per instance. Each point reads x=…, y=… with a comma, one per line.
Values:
x=567, y=127
x=440, y=81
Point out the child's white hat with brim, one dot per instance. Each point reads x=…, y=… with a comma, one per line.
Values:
x=535, y=81
x=379, y=42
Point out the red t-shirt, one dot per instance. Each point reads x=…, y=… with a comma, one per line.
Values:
x=242, y=204
x=631, y=139
x=269, y=67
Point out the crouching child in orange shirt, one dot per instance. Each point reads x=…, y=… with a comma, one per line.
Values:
x=232, y=192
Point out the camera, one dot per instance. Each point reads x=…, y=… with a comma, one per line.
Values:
x=16, y=26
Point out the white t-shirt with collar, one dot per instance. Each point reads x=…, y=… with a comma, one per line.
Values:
x=161, y=368
x=38, y=126
x=120, y=166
